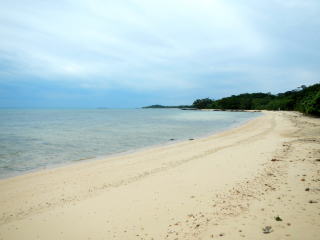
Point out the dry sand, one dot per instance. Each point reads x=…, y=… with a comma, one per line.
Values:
x=227, y=186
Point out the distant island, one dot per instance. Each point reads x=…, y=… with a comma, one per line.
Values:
x=303, y=99
x=161, y=106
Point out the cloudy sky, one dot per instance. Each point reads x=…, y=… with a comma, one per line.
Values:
x=131, y=53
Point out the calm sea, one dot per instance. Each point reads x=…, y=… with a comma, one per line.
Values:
x=37, y=139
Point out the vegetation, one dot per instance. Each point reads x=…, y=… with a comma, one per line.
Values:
x=303, y=99
x=161, y=106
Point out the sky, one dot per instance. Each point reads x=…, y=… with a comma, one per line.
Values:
x=133, y=53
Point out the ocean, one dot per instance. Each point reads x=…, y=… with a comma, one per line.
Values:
x=32, y=139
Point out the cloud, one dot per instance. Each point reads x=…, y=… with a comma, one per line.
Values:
x=102, y=38
x=155, y=45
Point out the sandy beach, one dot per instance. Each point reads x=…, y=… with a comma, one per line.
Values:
x=257, y=181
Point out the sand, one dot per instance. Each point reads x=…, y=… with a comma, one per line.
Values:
x=231, y=185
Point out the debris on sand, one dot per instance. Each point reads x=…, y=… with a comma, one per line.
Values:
x=278, y=218
x=267, y=229
x=312, y=201
x=275, y=160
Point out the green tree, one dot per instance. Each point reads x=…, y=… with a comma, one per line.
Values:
x=304, y=99
x=202, y=103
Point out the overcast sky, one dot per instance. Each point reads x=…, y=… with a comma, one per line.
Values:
x=100, y=53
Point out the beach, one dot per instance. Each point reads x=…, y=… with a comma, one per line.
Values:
x=260, y=180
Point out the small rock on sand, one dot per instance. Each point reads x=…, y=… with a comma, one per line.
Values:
x=267, y=229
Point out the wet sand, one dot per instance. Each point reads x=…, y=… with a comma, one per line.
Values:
x=257, y=181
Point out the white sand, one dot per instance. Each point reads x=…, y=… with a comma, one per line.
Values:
x=221, y=187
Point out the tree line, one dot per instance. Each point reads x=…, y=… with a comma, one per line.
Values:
x=304, y=99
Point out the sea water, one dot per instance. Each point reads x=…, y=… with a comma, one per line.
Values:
x=32, y=139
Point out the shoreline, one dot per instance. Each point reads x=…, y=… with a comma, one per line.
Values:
x=124, y=153
x=231, y=184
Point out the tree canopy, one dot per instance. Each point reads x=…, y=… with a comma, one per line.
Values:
x=303, y=99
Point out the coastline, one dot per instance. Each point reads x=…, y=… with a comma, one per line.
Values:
x=183, y=190
x=110, y=156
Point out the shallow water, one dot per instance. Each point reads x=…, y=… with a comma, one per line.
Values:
x=42, y=138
